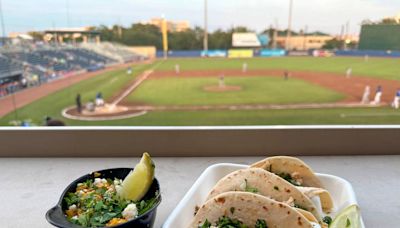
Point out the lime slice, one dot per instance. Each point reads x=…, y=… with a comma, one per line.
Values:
x=138, y=182
x=348, y=218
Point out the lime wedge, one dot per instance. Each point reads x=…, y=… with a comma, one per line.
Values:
x=347, y=218
x=138, y=182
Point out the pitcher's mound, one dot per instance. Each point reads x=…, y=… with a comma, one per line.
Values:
x=216, y=88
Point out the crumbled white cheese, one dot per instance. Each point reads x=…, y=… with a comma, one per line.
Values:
x=81, y=192
x=297, y=177
x=75, y=217
x=72, y=207
x=290, y=202
x=130, y=211
x=98, y=181
x=117, y=182
x=315, y=225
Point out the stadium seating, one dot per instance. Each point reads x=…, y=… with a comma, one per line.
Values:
x=9, y=67
x=114, y=51
x=39, y=63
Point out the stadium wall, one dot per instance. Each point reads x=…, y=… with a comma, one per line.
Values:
x=279, y=52
x=371, y=53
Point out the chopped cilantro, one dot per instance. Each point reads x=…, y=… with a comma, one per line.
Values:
x=261, y=224
x=348, y=222
x=327, y=220
x=249, y=188
x=226, y=222
x=232, y=210
x=289, y=178
x=96, y=204
x=206, y=224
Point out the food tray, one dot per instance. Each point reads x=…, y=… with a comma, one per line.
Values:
x=341, y=190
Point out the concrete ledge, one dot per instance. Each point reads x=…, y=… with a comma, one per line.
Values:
x=199, y=141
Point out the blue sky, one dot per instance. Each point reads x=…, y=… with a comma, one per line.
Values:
x=323, y=15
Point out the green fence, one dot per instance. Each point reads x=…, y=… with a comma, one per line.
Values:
x=380, y=37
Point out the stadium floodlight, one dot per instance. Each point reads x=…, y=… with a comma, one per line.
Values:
x=205, y=27
x=289, y=33
x=3, y=29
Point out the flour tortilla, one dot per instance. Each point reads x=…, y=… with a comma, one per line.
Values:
x=266, y=184
x=324, y=197
x=290, y=165
x=248, y=208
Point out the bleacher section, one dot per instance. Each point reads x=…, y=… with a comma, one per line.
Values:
x=114, y=51
x=34, y=64
x=9, y=68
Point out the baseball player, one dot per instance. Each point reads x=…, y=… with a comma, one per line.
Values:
x=378, y=95
x=244, y=68
x=177, y=69
x=348, y=72
x=396, y=100
x=365, y=97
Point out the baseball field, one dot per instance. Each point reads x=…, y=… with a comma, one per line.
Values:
x=218, y=92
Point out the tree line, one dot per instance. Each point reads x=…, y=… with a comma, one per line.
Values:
x=150, y=35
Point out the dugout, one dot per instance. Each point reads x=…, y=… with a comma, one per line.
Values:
x=380, y=37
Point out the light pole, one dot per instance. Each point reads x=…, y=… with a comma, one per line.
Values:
x=289, y=32
x=205, y=41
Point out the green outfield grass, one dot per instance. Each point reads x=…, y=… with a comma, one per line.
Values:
x=108, y=83
x=173, y=91
x=388, y=68
x=255, y=90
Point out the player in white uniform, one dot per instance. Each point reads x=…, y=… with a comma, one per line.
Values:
x=177, y=69
x=378, y=95
x=365, y=97
x=348, y=72
x=396, y=100
x=244, y=67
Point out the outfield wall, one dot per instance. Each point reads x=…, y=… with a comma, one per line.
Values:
x=247, y=53
x=231, y=53
x=372, y=53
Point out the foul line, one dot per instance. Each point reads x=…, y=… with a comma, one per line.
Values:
x=137, y=82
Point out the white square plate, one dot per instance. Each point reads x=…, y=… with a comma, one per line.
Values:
x=341, y=190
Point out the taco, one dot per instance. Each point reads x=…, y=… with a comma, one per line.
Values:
x=261, y=182
x=291, y=169
x=245, y=209
x=299, y=174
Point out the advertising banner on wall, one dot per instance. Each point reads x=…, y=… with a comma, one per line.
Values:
x=240, y=53
x=322, y=53
x=298, y=53
x=214, y=53
x=248, y=39
x=272, y=52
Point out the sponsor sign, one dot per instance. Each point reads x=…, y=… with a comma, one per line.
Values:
x=272, y=52
x=214, y=53
x=245, y=40
x=298, y=53
x=322, y=53
x=240, y=53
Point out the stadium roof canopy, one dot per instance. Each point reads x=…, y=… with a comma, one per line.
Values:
x=81, y=30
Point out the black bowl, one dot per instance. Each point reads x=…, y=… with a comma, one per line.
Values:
x=57, y=217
